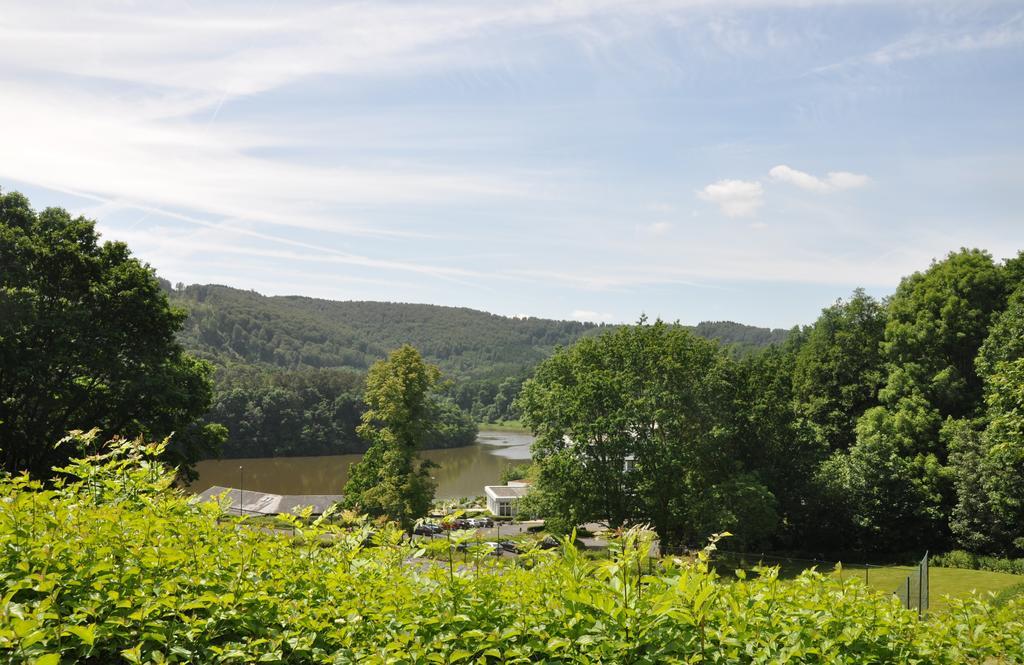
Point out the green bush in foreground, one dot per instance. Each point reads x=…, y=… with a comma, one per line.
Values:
x=114, y=566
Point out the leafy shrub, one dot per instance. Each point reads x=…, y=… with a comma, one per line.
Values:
x=962, y=559
x=1004, y=595
x=88, y=577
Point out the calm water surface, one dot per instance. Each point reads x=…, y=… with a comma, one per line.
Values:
x=461, y=471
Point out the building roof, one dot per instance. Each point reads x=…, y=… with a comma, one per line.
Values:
x=505, y=491
x=251, y=502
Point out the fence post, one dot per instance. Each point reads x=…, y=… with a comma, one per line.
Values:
x=908, y=592
x=921, y=587
x=867, y=567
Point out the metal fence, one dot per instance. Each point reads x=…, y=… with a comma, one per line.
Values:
x=913, y=591
x=790, y=566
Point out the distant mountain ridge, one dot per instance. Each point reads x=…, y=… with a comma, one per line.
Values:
x=230, y=326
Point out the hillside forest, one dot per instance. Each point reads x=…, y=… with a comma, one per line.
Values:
x=289, y=370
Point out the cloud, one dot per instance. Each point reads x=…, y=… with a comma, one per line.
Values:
x=834, y=181
x=588, y=315
x=735, y=198
x=927, y=43
x=932, y=42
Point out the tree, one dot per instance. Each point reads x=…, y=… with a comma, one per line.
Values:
x=896, y=478
x=87, y=339
x=636, y=425
x=839, y=369
x=776, y=444
x=988, y=462
x=937, y=321
x=391, y=480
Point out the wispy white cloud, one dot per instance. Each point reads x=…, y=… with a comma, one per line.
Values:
x=735, y=198
x=934, y=41
x=920, y=44
x=833, y=181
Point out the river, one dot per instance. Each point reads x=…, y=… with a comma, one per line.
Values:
x=460, y=471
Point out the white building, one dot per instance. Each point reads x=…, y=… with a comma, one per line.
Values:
x=502, y=499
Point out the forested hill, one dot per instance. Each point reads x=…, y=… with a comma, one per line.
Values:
x=290, y=368
x=230, y=326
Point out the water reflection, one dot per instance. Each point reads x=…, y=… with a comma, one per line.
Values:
x=460, y=471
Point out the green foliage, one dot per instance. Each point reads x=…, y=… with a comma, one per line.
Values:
x=390, y=479
x=488, y=356
x=87, y=338
x=970, y=561
x=90, y=578
x=898, y=480
x=310, y=412
x=776, y=445
x=517, y=472
x=988, y=462
x=739, y=338
x=839, y=369
x=937, y=321
x=655, y=396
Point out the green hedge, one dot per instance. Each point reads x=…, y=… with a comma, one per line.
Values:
x=116, y=567
x=962, y=559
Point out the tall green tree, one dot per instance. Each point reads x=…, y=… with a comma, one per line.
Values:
x=87, y=339
x=937, y=322
x=391, y=480
x=839, y=369
x=637, y=425
x=777, y=444
x=988, y=462
x=896, y=475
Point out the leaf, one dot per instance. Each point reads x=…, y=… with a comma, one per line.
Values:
x=87, y=634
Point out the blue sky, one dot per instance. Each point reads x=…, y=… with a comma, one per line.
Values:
x=694, y=160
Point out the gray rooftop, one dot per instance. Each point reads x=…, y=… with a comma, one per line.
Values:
x=251, y=502
x=506, y=492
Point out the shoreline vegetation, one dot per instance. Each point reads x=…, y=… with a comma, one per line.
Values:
x=510, y=427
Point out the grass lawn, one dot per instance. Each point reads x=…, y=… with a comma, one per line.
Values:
x=944, y=582
x=503, y=426
x=955, y=582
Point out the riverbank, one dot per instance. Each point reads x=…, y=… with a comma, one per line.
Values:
x=459, y=472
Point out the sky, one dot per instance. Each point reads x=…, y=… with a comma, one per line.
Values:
x=746, y=160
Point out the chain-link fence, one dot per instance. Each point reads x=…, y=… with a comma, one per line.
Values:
x=913, y=590
x=791, y=566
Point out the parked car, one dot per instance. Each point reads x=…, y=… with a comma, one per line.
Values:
x=509, y=546
x=426, y=529
x=456, y=524
x=484, y=523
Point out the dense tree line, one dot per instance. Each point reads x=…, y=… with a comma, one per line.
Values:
x=885, y=426
x=486, y=356
x=88, y=339
x=311, y=412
